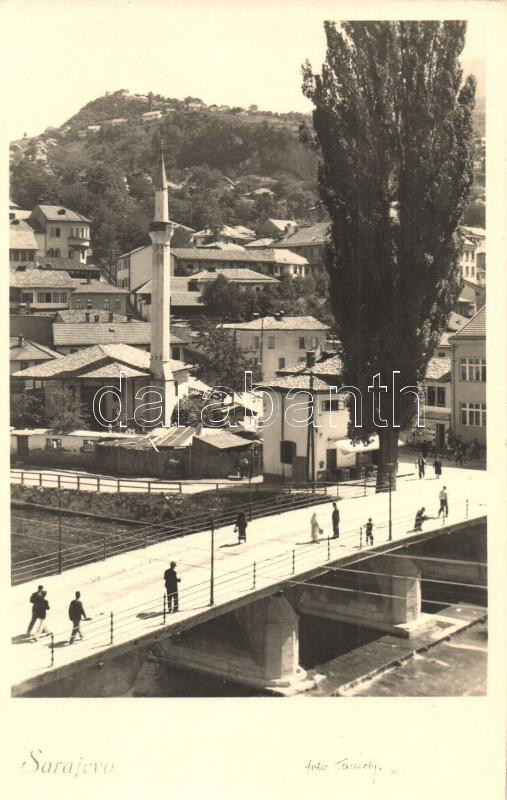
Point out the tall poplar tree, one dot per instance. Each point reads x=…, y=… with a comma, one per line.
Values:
x=393, y=126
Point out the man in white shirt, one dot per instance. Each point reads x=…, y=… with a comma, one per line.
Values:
x=444, y=506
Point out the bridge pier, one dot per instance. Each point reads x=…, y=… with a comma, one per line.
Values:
x=380, y=593
x=256, y=645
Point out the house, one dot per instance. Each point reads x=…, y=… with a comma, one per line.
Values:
x=39, y=289
x=97, y=369
x=150, y=116
x=288, y=439
x=218, y=453
x=245, y=278
x=276, y=227
x=69, y=337
x=469, y=379
x=308, y=241
x=279, y=341
x=474, y=242
x=228, y=234
x=61, y=232
x=99, y=295
x=437, y=386
x=185, y=304
x=92, y=129
x=23, y=245
x=270, y=261
x=26, y=353
x=133, y=268
x=75, y=268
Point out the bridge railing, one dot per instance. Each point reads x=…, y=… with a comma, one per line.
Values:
x=99, y=546
x=115, y=627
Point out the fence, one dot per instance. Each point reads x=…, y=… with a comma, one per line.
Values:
x=99, y=547
x=147, y=617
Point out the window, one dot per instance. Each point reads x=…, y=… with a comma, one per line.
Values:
x=88, y=444
x=473, y=414
x=271, y=342
x=466, y=271
x=281, y=363
x=53, y=444
x=441, y=354
x=57, y=252
x=257, y=342
x=43, y=297
x=14, y=255
x=106, y=304
x=31, y=255
x=117, y=305
x=54, y=232
x=27, y=297
x=302, y=343
x=315, y=343
x=435, y=396
x=71, y=253
x=79, y=303
x=337, y=404
x=63, y=297
x=473, y=369
x=56, y=297
x=287, y=451
x=50, y=253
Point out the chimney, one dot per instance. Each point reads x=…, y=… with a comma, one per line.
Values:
x=310, y=359
x=111, y=316
x=87, y=316
x=21, y=341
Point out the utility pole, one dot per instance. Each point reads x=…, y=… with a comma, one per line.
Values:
x=60, y=549
x=212, y=565
x=310, y=445
x=390, y=467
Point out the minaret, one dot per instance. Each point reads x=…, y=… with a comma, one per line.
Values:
x=161, y=231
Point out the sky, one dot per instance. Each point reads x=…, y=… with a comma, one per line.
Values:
x=60, y=54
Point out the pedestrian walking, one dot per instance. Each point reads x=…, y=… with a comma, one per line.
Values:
x=421, y=466
x=171, y=586
x=420, y=517
x=444, y=503
x=76, y=614
x=316, y=530
x=41, y=609
x=240, y=527
x=33, y=599
x=369, y=531
x=437, y=466
x=335, y=519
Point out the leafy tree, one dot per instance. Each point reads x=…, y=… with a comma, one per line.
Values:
x=221, y=362
x=393, y=123
x=65, y=412
x=26, y=410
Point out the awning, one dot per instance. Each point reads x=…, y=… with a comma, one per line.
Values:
x=347, y=446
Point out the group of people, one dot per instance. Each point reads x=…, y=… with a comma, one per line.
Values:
x=421, y=465
x=40, y=607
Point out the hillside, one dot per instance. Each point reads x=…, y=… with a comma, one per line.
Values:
x=234, y=166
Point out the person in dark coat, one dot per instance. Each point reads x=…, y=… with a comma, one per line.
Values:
x=421, y=465
x=171, y=586
x=34, y=597
x=437, y=466
x=335, y=520
x=240, y=528
x=419, y=519
x=41, y=609
x=369, y=531
x=76, y=614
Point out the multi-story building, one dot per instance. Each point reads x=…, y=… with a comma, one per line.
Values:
x=40, y=290
x=244, y=278
x=308, y=241
x=277, y=342
x=276, y=227
x=437, y=386
x=61, y=232
x=99, y=295
x=469, y=379
x=474, y=243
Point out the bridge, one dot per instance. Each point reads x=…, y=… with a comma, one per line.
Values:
x=124, y=595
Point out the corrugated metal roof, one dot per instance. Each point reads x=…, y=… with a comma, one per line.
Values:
x=221, y=439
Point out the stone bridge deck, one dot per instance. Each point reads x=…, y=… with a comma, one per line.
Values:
x=124, y=595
